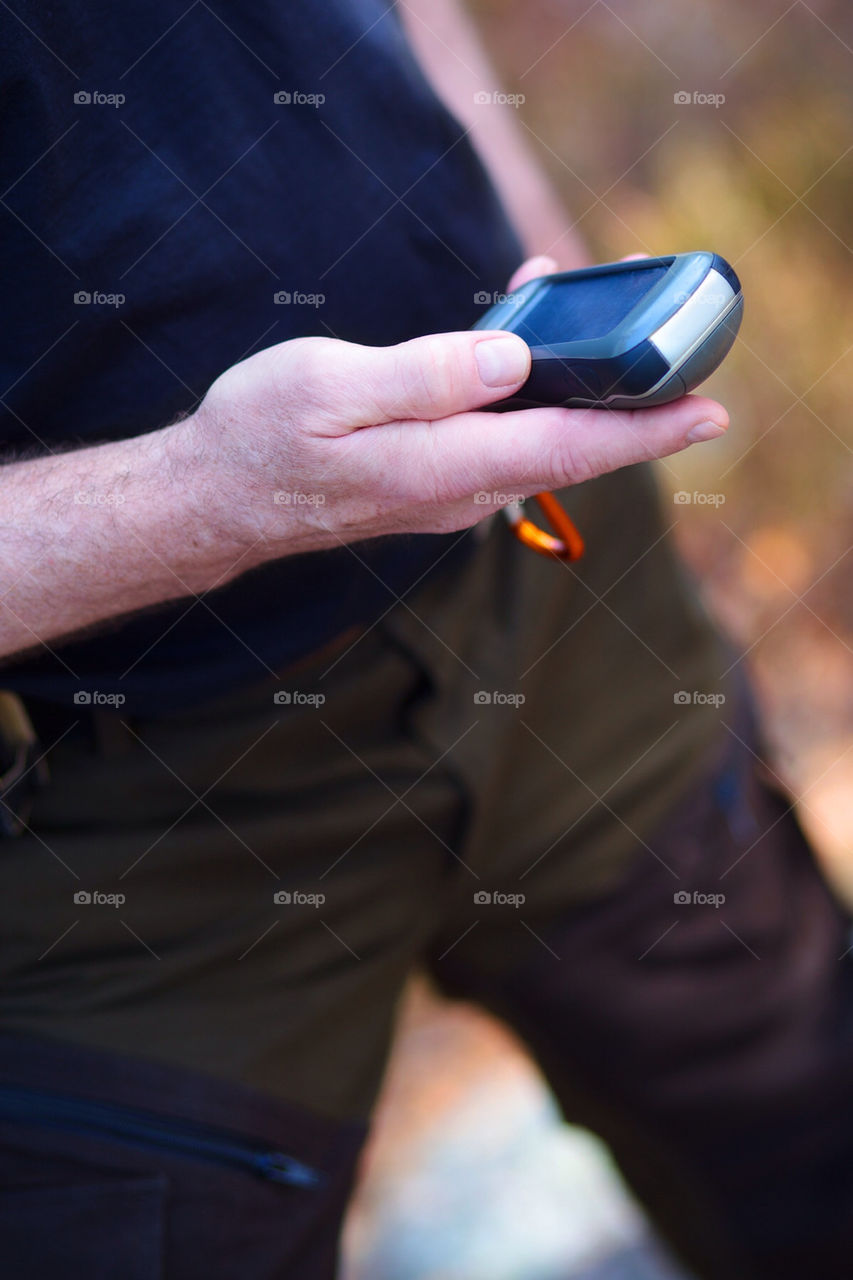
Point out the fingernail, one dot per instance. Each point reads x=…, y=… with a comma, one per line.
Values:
x=502, y=361
x=704, y=431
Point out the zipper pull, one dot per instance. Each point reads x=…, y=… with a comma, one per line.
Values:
x=278, y=1167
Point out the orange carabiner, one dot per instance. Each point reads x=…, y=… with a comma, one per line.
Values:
x=569, y=545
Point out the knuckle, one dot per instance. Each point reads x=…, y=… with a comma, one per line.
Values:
x=428, y=480
x=516, y=469
x=430, y=375
x=301, y=370
x=586, y=443
x=509, y=459
x=568, y=458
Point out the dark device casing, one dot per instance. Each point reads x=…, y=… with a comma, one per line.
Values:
x=669, y=341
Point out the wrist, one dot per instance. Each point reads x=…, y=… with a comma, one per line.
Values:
x=212, y=509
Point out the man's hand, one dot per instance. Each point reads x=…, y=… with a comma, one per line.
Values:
x=308, y=444
x=316, y=442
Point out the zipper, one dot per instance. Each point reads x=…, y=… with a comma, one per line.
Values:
x=79, y=1115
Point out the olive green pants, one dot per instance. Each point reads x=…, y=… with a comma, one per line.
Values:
x=507, y=730
x=263, y=873
x=530, y=778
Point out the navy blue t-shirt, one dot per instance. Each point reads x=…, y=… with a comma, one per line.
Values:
x=188, y=169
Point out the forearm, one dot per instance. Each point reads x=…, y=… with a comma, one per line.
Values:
x=101, y=532
x=448, y=48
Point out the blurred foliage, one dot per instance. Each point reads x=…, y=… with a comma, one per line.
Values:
x=766, y=179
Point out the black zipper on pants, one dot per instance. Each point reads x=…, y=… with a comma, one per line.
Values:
x=79, y=1115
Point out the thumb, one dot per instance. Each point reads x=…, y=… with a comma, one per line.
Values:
x=542, y=265
x=351, y=386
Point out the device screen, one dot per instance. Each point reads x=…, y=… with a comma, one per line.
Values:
x=586, y=308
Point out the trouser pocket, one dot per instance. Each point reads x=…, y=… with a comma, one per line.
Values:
x=114, y=1167
x=88, y=1228
x=148, y=1130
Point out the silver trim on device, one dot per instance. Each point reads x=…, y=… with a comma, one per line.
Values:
x=682, y=334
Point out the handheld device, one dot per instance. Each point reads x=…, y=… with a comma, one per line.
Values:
x=624, y=335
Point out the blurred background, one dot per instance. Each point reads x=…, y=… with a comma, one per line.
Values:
x=470, y=1175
